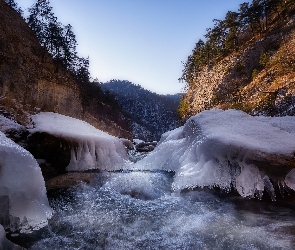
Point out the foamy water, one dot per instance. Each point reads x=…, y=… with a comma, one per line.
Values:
x=138, y=210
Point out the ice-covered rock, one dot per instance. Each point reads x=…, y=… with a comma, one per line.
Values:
x=5, y=244
x=290, y=179
x=23, y=201
x=227, y=149
x=12, y=129
x=7, y=124
x=91, y=148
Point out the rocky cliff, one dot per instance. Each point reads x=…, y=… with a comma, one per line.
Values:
x=30, y=81
x=258, y=78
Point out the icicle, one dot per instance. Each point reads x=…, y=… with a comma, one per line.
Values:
x=290, y=179
x=269, y=187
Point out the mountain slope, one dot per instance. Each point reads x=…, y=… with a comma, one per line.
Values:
x=31, y=81
x=151, y=114
x=258, y=77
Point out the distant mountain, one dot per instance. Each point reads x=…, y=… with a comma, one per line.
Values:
x=150, y=114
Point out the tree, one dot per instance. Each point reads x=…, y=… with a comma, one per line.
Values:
x=277, y=6
x=82, y=70
x=195, y=61
x=199, y=55
x=69, y=47
x=54, y=41
x=39, y=20
x=255, y=16
x=14, y=5
x=183, y=108
x=232, y=24
x=244, y=18
x=216, y=39
x=58, y=40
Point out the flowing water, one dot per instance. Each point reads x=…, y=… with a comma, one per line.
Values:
x=138, y=210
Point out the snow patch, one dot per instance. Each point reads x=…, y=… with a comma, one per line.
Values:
x=218, y=148
x=91, y=147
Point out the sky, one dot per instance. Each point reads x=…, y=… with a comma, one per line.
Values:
x=142, y=41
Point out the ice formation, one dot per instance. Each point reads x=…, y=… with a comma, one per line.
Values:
x=220, y=148
x=23, y=201
x=290, y=179
x=5, y=244
x=91, y=147
x=8, y=124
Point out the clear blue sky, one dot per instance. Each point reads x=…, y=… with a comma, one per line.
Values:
x=143, y=41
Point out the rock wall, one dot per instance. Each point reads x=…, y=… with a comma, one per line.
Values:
x=242, y=81
x=30, y=81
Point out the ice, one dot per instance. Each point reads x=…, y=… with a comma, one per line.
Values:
x=91, y=147
x=285, y=123
x=5, y=244
x=220, y=148
x=290, y=179
x=8, y=124
x=249, y=182
x=23, y=201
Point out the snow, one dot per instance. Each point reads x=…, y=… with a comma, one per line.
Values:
x=285, y=123
x=23, y=201
x=91, y=147
x=8, y=124
x=218, y=148
x=5, y=244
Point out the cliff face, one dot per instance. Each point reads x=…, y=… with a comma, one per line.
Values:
x=27, y=72
x=259, y=78
x=30, y=80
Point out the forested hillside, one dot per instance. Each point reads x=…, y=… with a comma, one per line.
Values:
x=246, y=61
x=40, y=70
x=150, y=114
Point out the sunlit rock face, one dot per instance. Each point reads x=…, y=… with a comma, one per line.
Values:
x=227, y=149
x=23, y=201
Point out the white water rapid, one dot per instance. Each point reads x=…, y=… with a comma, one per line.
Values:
x=138, y=210
x=164, y=201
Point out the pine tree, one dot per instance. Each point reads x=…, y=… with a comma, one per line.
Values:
x=14, y=5
x=232, y=24
x=58, y=40
x=69, y=48
x=40, y=19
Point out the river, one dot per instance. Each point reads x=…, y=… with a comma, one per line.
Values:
x=138, y=210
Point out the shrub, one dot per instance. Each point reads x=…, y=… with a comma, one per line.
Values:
x=242, y=106
x=264, y=59
x=183, y=108
x=255, y=73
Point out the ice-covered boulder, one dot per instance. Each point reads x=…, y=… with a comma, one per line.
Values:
x=228, y=149
x=12, y=129
x=23, y=201
x=5, y=244
x=90, y=148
